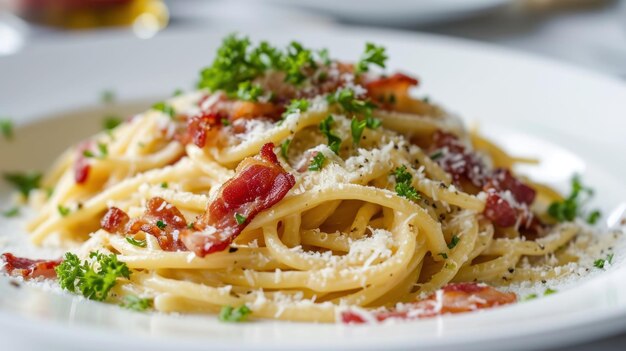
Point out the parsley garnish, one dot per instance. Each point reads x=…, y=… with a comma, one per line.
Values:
x=161, y=225
x=284, y=148
x=104, y=150
x=529, y=297
x=6, y=128
x=234, y=315
x=295, y=61
x=177, y=92
x=453, y=241
x=133, y=241
x=295, y=106
x=63, y=211
x=373, y=55
x=24, y=182
x=317, y=162
x=593, y=217
x=444, y=255
x=107, y=96
x=571, y=207
x=92, y=279
x=403, y=184
x=110, y=122
x=164, y=185
x=165, y=108
x=435, y=155
x=549, y=291
x=240, y=219
x=190, y=225
x=357, y=127
x=600, y=263
x=333, y=141
x=136, y=303
x=248, y=91
x=11, y=212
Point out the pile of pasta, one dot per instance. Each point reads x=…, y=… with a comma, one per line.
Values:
x=365, y=200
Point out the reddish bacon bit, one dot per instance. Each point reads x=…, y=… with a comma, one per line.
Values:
x=161, y=220
x=260, y=183
x=81, y=165
x=394, y=81
x=392, y=92
x=502, y=212
x=202, y=127
x=502, y=180
x=250, y=110
x=453, y=298
x=461, y=163
x=27, y=268
x=114, y=220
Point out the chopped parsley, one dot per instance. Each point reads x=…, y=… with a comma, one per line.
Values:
x=284, y=148
x=24, y=182
x=93, y=278
x=571, y=207
x=161, y=225
x=453, y=241
x=549, y=291
x=225, y=122
x=317, y=163
x=110, y=122
x=600, y=263
x=444, y=255
x=63, y=211
x=240, y=219
x=529, y=297
x=334, y=142
x=6, y=128
x=295, y=106
x=190, y=225
x=357, y=127
x=248, y=91
x=234, y=314
x=436, y=155
x=165, y=108
x=107, y=97
x=139, y=243
x=164, y=185
x=136, y=303
x=594, y=216
x=177, y=92
x=104, y=150
x=374, y=55
x=11, y=212
x=403, y=184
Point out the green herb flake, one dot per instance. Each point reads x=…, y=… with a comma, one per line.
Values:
x=111, y=122
x=24, y=182
x=107, y=97
x=549, y=291
x=177, y=92
x=317, y=163
x=165, y=108
x=93, y=278
x=284, y=148
x=63, y=211
x=138, y=243
x=103, y=149
x=6, y=128
x=453, y=241
x=444, y=255
x=334, y=142
x=593, y=217
x=357, y=127
x=11, y=212
x=296, y=106
x=436, y=155
x=190, y=225
x=225, y=122
x=161, y=225
x=570, y=208
x=373, y=55
x=601, y=263
x=234, y=315
x=164, y=185
x=403, y=184
x=248, y=91
x=88, y=154
x=240, y=219
x=136, y=303
x=529, y=297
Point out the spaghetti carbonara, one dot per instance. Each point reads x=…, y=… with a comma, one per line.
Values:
x=297, y=187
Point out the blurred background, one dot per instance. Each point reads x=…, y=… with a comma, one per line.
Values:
x=590, y=33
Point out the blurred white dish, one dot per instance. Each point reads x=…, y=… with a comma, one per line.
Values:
x=397, y=12
x=518, y=100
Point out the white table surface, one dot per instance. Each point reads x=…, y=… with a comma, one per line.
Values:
x=594, y=38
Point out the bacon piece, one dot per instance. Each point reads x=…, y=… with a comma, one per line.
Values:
x=202, y=127
x=499, y=211
x=114, y=220
x=397, y=81
x=502, y=180
x=453, y=298
x=28, y=268
x=161, y=220
x=462, y=164
x=82, y=165
x=260, y=183
x=250, y=110
x=393, y=93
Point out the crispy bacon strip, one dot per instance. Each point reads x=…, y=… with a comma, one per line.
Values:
x=82, y=165
x=453, y=298
x=392, y=92
x=161, y=220
x=28, y=268
x=202, y=128
x=260, y=182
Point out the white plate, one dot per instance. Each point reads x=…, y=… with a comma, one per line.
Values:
x=576, y=120
x=397, y=12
